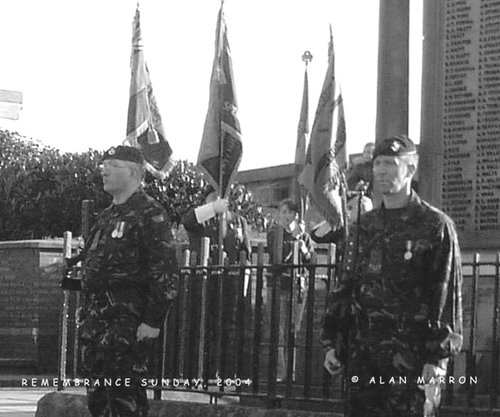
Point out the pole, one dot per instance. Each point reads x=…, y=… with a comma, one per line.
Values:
x=204, y=327
x=222, y=217
x=63, y=338
x=302, y=130
x=87, y=214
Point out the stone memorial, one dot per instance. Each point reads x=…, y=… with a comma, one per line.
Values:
x=460, y=140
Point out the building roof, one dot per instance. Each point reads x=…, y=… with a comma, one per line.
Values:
x=266, y=174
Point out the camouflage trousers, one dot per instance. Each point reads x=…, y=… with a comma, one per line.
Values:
x=114, y=361
x=383, y=373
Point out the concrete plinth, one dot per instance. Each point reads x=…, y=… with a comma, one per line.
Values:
x=58, y=404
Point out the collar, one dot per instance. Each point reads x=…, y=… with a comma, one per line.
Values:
x=414, y=205
x=135, y=197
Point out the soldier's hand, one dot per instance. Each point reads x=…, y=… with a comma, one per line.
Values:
x=220, y=206
x=432, y=372
x=147, y=332
x=303, y=247
x=79, y=314
x=331, y=363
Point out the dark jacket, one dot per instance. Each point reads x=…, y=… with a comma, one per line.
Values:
x=235, y=232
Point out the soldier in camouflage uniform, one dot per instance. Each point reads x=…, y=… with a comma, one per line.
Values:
x=128, y=285
x=396, y=310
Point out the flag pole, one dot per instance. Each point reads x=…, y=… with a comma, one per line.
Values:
x=343, y=194
x=303, y=129
x=222, y=217
x=221, y=146
x=326, y=153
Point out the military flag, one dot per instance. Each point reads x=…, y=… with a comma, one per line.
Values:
x=144, y=124
x=303, y=127
x=221, y=146
x=326, y=158
x=302, y=131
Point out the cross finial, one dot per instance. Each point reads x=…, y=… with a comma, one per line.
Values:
x=307, y=57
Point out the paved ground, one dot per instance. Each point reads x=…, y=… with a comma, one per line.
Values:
x=17, y=400
x=21, y=402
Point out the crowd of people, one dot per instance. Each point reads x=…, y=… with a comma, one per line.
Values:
x=394, y=309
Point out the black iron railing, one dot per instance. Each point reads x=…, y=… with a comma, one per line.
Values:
x=252, y=331
x=257, y=352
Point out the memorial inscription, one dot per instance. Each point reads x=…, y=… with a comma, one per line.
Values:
x=470, y=128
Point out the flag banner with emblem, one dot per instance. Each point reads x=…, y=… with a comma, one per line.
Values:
x=323, y=174
x=221, y=146
x=303, y=127
x=144, y=124
x=300, y=149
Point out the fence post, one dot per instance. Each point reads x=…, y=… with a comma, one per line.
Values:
x=161, y=352
x=194, y=315
x=183, y=284
x=204, y=255
x=275, y=312
x=494, y=337
x=471, y=363
x=63, y=337
x=332, y=273
x=290, y=322
x=258, y=319
x=222, y=276
x=240, y=317
x=87, y=217
x=309, y=327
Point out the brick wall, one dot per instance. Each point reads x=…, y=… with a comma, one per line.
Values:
x=30, y=304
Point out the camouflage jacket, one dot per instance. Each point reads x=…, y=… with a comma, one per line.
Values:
x=402, y=269
x=129, y=258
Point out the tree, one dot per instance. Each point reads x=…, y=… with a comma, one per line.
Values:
x=41, y=189
x=185, y=188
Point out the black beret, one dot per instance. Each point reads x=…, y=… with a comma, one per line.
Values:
x=124, y=153
x=397, y=145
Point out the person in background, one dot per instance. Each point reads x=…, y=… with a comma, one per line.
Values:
x=293, y=232
x=359, y=176
x=397, y=308
x=204, y=221
x=357, y=204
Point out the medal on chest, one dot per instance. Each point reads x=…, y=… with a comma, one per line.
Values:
x=117, y=232
x=408, y=255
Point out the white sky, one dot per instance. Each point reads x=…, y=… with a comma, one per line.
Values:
x=70, y=58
